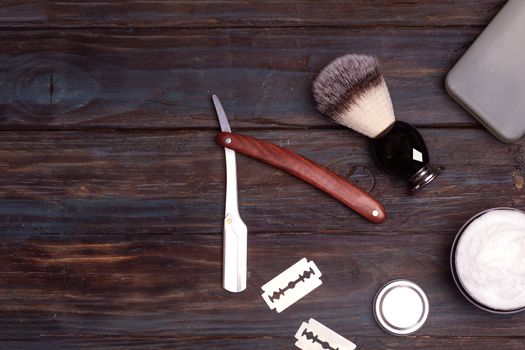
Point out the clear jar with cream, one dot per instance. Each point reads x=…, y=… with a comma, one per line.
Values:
x=488, y=260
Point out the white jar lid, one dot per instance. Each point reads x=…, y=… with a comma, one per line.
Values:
x=401, y=307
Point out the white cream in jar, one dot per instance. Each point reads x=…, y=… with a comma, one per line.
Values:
x=490, y=259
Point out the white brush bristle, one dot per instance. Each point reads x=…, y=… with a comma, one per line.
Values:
x=352, y=91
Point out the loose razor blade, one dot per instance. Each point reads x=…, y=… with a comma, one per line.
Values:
x=291, y=285
x=312, y=335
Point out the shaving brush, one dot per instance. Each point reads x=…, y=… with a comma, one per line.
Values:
x=351, y=91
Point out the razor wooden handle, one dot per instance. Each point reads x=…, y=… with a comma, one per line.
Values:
x=315, y=174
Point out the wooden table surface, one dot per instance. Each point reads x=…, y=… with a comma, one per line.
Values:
x=112, y=192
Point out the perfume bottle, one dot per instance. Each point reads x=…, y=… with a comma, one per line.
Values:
x=402, y=151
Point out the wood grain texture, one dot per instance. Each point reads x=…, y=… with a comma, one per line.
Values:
x=164, y=79
x=231, y=343
x=112, y=196
x=169, y=286
x=173, y=182
x=220, y=14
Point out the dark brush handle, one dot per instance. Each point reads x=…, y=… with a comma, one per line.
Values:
x=315, y=174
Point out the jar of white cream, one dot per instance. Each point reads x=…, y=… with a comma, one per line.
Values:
x=488, y=260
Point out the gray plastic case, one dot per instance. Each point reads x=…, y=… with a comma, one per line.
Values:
x=489, y=80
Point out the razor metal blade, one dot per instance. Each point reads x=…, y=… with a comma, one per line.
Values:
x=291, y=285
x=314, y=336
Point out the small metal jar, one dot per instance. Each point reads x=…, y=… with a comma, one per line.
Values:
x=401, y=307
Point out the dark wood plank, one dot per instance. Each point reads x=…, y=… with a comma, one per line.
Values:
x=165, y=182
x=219, y=14
x=76, y=79
x=170, y=286
x=111, y=238
x=260, y=343
x=365, y=343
